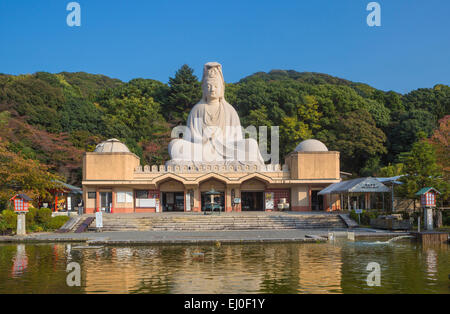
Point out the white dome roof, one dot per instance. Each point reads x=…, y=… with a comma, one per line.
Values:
x=311, y=146
x=112, y=145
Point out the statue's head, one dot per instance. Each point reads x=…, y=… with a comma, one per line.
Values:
x=213, y=85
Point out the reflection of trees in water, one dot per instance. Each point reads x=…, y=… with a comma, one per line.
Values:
x=45, y=271
x=404, y=265
x=260, y=268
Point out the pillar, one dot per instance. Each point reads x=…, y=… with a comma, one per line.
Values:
x=113, y=201
x=97, y=200
x=309, y=198
x=21, y=230
x=428, y=217
x=197, y=199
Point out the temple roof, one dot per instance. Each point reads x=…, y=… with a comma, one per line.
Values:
x=311, y=145
x=112, y=145
x=359, y=185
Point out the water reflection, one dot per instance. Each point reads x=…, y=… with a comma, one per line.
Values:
x=20, y=261
x=335, y=267
x=431, y=261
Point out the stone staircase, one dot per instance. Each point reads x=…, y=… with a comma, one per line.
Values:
x=196, y=222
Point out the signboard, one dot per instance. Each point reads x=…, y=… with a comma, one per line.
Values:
x=157, y=205
x=147, y=203
x=358, y=211
x=368, y=186
x=237, y=200
x=269, y=197
x=99, y=220
x=69, y=203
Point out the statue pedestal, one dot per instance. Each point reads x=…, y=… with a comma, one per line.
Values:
x=428, y=218
x=21, y=230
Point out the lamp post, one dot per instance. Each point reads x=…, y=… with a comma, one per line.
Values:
x=212, y=194
x=21, y=208
x=428, y=202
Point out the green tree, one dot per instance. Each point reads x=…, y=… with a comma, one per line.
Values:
x=421, y=170
x=404, y=131
x=184, y=92
x=391, y=170
x=358, y=139
x=301, y=125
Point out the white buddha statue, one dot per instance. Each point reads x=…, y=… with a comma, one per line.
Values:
x=213, y=134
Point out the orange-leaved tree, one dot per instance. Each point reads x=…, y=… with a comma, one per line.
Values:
x=22, y=175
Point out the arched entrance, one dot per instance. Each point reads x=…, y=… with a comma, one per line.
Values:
x=172, y=196
x=252, y=195
x=208, y=185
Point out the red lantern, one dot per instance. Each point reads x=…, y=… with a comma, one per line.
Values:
x=20, y=203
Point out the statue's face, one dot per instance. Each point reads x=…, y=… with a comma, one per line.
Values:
x=212, y=88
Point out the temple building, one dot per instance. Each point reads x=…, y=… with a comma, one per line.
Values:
x=114, y=181
x=213, y=165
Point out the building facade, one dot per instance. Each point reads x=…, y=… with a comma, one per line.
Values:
x=114, y=181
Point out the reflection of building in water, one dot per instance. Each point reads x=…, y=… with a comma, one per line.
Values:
x=266, y=268
x=20, y=262
x=124, y=271
x=320, y=268
x=221, y=270
x=167, y=270
x=431, y=262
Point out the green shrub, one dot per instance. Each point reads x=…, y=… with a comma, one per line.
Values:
x=38, y=229
x=31, y=218
x=3, y=225
x=366, y=215
x=354, y=215
x=57, y=222
x=44, y=216
x=11, y=219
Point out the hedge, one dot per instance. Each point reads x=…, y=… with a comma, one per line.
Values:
x=37, y=220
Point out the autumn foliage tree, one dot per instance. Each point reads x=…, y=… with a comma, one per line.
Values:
x=22, y=175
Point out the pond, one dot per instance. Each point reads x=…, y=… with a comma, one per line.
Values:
x=333, y=267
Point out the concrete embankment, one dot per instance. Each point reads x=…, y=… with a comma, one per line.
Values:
x=190, y=237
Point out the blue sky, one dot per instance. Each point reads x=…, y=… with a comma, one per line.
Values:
x=152, y=39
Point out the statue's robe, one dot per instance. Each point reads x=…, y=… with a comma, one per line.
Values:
x=216, y=140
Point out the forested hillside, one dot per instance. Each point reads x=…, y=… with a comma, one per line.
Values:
x=54, y=118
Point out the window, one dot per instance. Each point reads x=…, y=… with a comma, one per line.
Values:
x=92, y=195
x=124, y=197
x=143, y=194
x=146, y=198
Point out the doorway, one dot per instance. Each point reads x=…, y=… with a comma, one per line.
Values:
x=316, y=201
x=218, y=199
x=105, y=201
x=173, y=201
x=252, y=201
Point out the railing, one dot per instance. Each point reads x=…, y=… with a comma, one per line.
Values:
x=211, y=168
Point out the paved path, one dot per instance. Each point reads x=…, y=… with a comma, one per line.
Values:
x=193, y=237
